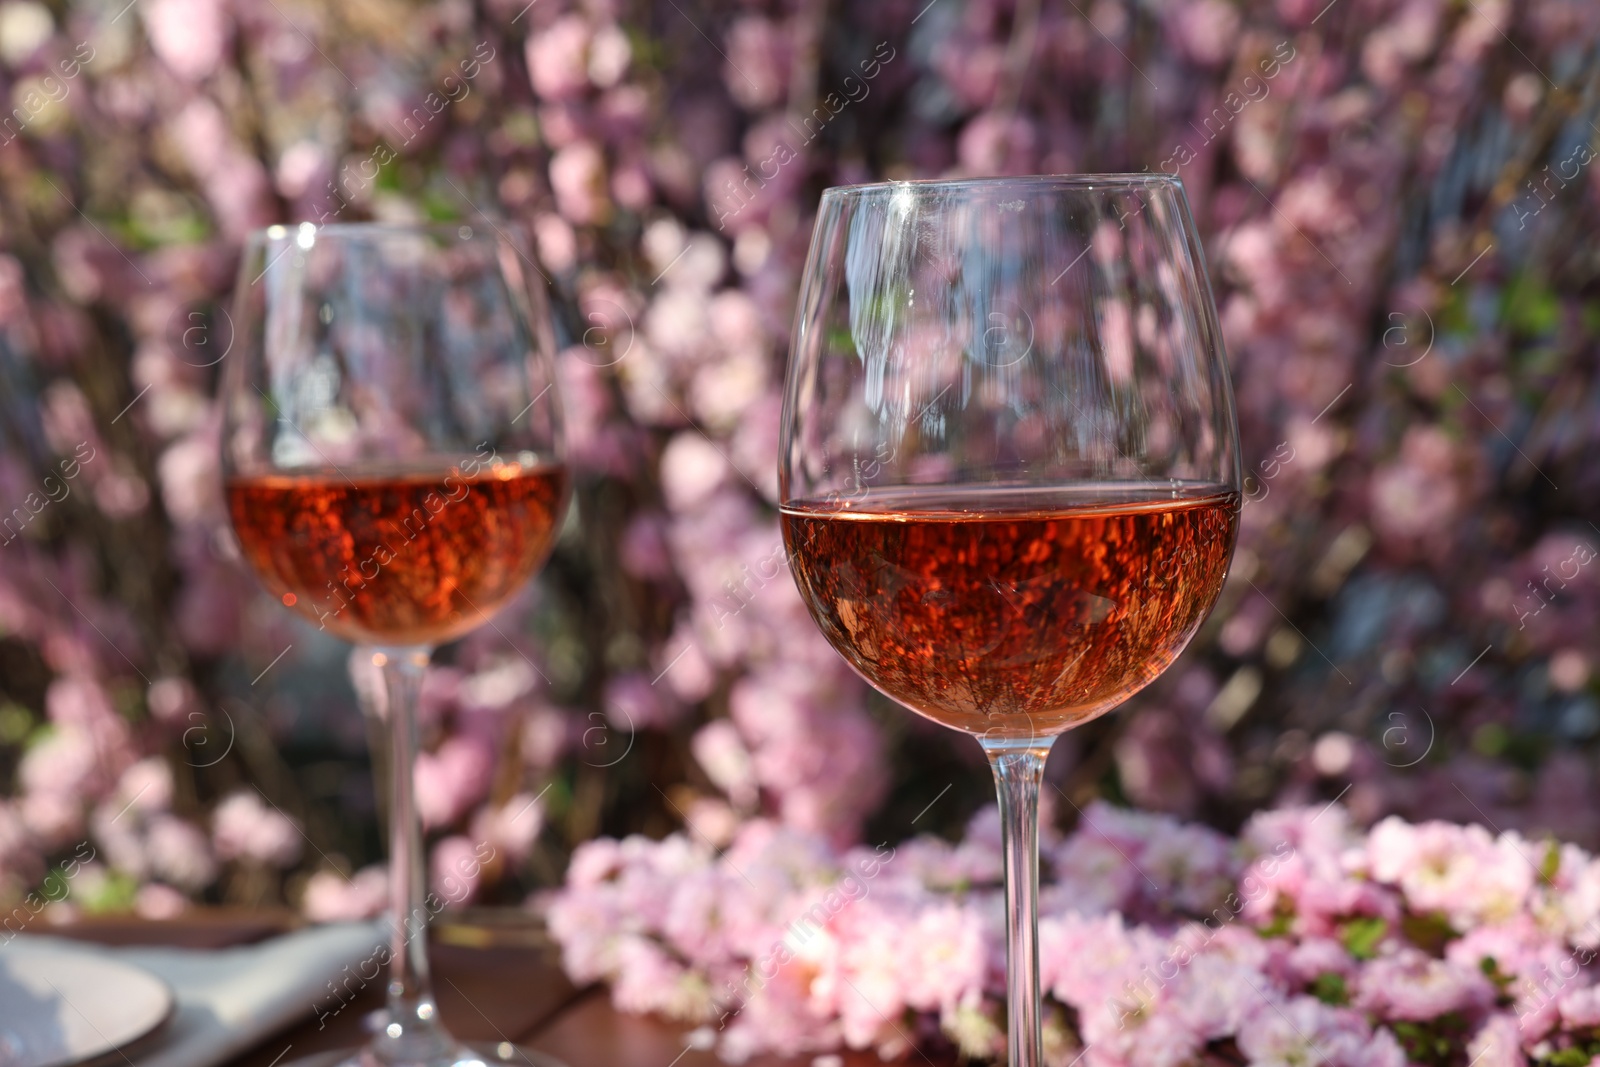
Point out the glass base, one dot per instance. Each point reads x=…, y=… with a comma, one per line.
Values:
x=463, y=1054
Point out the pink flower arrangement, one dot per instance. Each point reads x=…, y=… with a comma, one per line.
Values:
x=1405, y=394
x=1303, y=940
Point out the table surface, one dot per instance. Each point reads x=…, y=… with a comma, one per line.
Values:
x=496, y=978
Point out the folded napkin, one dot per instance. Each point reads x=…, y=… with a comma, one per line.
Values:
x=229, y=999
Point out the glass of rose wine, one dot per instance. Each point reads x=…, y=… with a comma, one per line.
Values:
x=392, y=458
x=1009, y=466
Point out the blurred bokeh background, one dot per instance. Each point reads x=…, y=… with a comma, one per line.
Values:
x=1399, y=207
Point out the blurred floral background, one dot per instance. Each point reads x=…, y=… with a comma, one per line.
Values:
x=1389, y=192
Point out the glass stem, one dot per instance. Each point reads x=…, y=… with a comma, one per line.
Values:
x=1018, y=770
x=414, y=1033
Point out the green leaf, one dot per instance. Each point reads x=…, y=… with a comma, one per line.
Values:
x=1279, y=926
x=1330, y=989
x=1552, y=861
x=1568, y=1057
x=1591, y=318
x=1490, y=739
x=1430, y=932
x=439, y=207
x=115, y=893
x=1529, y=307
x=15, y=722
x=1362, y=936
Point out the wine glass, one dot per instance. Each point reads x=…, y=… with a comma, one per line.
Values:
x=1009, y=467
x=392, y=457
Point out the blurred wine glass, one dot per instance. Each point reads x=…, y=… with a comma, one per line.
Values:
x=1009, y=466
x=392, y=455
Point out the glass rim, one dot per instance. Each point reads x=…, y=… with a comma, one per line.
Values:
x=290, y=231
x=1119, y=179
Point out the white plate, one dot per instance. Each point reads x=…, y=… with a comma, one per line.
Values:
x=61, y=1006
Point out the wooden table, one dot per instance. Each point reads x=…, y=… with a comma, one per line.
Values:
x=496, y=979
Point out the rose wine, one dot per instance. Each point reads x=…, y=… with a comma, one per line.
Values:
x=1012, y=612
x=407, y=559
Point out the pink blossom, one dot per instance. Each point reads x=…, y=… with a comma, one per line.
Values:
x=1407, y=38
x=796, y=943
x=1418, y=493
x=68, y=762
x=650, y=981
x=497, y=687
x=1094, y=875
x=119, y=492
x=242, y=827
x=191, y=482
x=714, y=819
x=546, y=734
x=644, y=548
x=947, y=959
x=303, y=166
x=332, y=897
x=157, y=901
x=721, y=753
x=757, y=70
x=993, y=144
x=1207, y=30
x=1515, y=946
x=1580, y=1008
x=510, y=828
x=972, y=69
x=558, y=247
x=52, y=819
x=609, y=55
x=1408, y=985
x=172, y=699
x=578, y=179
x=1214, y=993
x=1497, y=1043
x=188, y=35
x=632, y=703
x=236, y=184
x=179, y=853
x=1091, y=963
x=594, y=862
x=556, y=56
x=1304, y=1030
x=692, y=468
x=455, y=868
x=146, y=786
x=208, y=608
x=1460, y=871
x=452, y=779
x=684, y=667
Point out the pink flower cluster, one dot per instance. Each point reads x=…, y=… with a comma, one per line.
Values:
x=1303, y=940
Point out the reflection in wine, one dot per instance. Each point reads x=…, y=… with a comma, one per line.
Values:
x=1001, y=611
x=398, y=559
